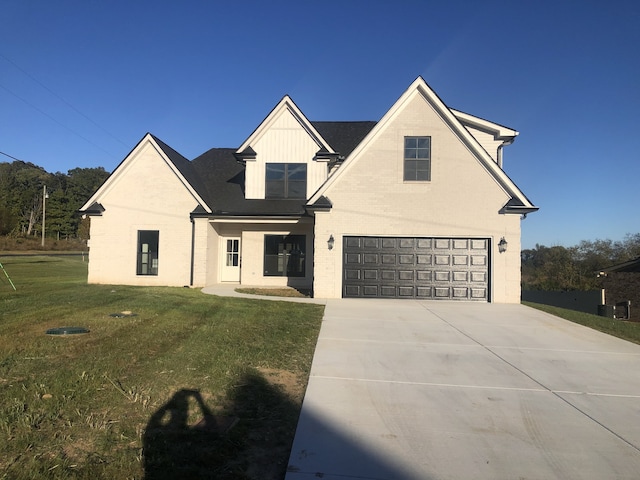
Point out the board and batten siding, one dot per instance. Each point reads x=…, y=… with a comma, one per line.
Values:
x=285, y=141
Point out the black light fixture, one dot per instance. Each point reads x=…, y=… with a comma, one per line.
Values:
x=330, y=242
x=502, y=245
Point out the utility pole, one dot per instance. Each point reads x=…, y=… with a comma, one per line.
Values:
x=45, y=195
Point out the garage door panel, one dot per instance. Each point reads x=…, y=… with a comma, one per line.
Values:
x=407, y=259
x=388, y=275
x=441, y=292
x=461, y=276
x=424, y=292
x=370, y=291
x=406, y=243
x=407, y=267
x=353, y=242
x=460, y=243
x=460, y=292
x=479, y=293
x=441, y=259
x=370, y=274
x=442, y=276
x=406, y=292
x=388, y=259
x=479, y=260
x=352, y=274
x=424, y=275
x=406, y=275
x=388, y=291
x=479, y=277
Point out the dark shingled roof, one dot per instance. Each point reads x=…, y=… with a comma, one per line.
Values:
x=223, y=175
x=218, y=177
x=343, y=137
x=630, y=266
x=184, y=166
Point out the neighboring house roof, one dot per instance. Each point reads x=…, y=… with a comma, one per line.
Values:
x=630, y=266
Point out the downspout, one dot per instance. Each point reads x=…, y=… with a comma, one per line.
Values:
x=500, y=155
x=193, y=246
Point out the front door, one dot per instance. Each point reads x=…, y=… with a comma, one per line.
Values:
x=230, y=271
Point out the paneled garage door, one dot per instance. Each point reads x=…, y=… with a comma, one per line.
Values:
x=427, y=268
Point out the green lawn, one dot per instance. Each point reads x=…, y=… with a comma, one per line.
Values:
x=618, y=328
x=151, y=395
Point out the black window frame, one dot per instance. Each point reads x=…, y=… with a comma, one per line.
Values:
x=281, y=180
x=147, y=257
x=417, y=159
x=285, y=255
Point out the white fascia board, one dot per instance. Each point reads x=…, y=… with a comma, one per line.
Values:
x=498, y=131
x=120, y=169
x=289, y=104
x=419, y=86
x=258, y=220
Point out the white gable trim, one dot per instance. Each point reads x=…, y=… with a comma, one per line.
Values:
x=285, y=104
x=129, y=159
x=499, y=132
x=419, y=86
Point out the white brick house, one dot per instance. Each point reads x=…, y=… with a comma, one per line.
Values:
x=416, y=205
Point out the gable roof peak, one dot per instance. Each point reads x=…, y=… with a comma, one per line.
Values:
x=419, y=86
x=286, y=103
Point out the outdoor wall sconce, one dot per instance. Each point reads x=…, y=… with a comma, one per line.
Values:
x=330, y=242
x=502, y=245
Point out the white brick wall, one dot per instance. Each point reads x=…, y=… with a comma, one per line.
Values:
x=462, y=199
x=145, y=195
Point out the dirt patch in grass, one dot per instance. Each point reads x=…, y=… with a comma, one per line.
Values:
x=276, y=292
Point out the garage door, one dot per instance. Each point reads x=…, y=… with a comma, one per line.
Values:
x=405, y=267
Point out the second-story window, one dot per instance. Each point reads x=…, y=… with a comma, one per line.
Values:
x=286, y=180
x=417, y=159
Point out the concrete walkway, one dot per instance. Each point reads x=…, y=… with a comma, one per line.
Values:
x=229, y=290
x=447, y=390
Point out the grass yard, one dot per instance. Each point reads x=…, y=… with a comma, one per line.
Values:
x=191, y=386
x=618, y=328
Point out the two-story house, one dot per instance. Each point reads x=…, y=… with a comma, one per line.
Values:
x=415, y=205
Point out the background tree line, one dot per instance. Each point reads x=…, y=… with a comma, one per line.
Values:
x=21, y=191
x=577, y=267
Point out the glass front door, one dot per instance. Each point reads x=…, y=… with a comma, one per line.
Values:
x=230, y=271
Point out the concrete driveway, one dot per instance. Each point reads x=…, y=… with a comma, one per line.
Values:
x=448, y=390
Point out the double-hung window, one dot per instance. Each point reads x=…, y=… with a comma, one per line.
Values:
x=286, y=180
x=284, y=255
x=417, y=159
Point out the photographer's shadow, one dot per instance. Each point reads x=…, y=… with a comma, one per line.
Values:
x=175, y=449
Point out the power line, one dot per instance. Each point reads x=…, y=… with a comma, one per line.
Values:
x=62, y=99
x=12, y=157
x=54, y=120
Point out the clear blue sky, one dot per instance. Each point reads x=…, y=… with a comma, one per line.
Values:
x=82, y=81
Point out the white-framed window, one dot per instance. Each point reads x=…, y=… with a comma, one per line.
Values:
x=417, y=159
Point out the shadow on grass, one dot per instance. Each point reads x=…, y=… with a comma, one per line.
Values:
x=252, y=440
